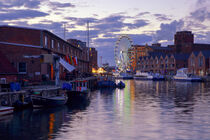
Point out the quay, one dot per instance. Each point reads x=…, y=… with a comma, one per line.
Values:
x=9, y=98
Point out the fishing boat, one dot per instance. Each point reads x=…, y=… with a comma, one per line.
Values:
x=79, y=93
x=182, y=75
x=5, y=110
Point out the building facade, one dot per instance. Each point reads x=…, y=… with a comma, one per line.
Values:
x=184, y=53
x=23, y=47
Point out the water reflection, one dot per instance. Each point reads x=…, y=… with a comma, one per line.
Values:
x=143, y=110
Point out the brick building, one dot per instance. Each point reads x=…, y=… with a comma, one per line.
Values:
x=184, y=53
x=137, y=51
x=199, y=63
x=23, y=46
x=93, y=57
x=84, y=60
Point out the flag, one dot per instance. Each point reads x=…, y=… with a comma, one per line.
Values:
x=74, y=59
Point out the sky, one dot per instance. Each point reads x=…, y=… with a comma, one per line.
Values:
x=144, y=21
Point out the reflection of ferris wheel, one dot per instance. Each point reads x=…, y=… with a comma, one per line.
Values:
x=123, y=44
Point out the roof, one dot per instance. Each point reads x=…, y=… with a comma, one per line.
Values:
x=5, y=65
x=181, y=56
x=160, y=48
x=41, y=30
x=206, y=53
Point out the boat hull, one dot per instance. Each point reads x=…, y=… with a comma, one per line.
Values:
x=142, y=78
x=188, y=80
x=78, y=97
x=6, y=110
x=48, y=102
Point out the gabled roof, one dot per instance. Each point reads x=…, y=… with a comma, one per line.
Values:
x=5, y=66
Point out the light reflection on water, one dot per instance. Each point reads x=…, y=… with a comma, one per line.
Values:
x=143, y=110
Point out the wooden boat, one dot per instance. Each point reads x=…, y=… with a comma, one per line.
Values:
x=5, y=110
x=39, y=101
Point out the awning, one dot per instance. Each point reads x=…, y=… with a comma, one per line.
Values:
x=66, y=65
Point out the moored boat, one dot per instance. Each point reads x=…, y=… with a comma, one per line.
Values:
x=143, y=76
x=5, y=110
x=182, y=75
x=39, y=101
x=79, y=92
x=121, y=85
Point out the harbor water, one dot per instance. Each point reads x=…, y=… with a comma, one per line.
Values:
x=143, y=110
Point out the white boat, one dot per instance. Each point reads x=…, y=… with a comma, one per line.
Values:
x=5, y=110
x=124, y=76
x=182, y=75
x=143, y=76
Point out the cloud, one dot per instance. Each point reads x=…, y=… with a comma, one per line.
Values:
x=201, y=14
x=167, y=31
x=162, y=17
x=61, y=5
x=137, y=24
x=19, y=3
x=21, y=14
x=142, y=14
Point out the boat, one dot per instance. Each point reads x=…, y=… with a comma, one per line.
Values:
x=40, y=99
x=124, y=76
x=182, y=75
x=158, y=77
x=121, y=85
x=40, y=102
x=79, y=92
x=143, y=76
x=5, y=110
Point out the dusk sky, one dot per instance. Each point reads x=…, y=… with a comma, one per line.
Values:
x=146, y=21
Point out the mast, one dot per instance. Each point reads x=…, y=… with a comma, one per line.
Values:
x=88, y=43
x=64, y=31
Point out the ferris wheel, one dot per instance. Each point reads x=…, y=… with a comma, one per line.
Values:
x=121, y=52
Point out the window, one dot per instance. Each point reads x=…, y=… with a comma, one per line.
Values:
x=58, y=46
x=200, y=61
x=63, y=49
x=52, y=45
x=22, y=67
x=45, y=42
x=192, y=62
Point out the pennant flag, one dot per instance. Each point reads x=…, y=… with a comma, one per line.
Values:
x=74, y=60
x=70, y=59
